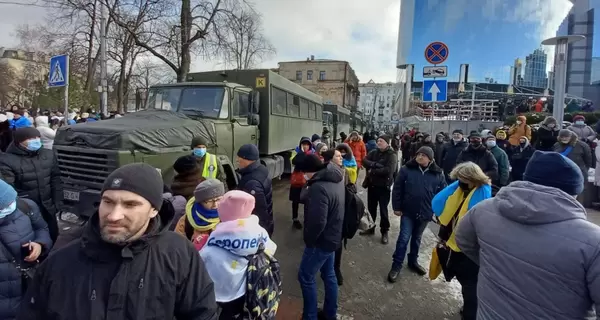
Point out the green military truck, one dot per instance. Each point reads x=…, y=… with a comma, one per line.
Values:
x=228, y=108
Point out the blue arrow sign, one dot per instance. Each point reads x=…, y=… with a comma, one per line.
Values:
x=59, y=71
x=435, y=90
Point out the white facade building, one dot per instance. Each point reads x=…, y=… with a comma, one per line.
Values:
x=376, y=102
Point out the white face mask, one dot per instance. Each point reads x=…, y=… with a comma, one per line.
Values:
x=519, y=122
x=8, y=210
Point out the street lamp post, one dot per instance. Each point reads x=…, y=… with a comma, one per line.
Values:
x=560, y=72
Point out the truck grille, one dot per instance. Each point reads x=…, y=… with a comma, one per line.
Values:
x=85, y=167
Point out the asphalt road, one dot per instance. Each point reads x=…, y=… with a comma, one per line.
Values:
x=366, y=294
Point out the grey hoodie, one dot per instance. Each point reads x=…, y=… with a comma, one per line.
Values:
x=539, y=257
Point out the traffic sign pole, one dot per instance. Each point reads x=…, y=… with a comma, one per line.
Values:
x=66, y=93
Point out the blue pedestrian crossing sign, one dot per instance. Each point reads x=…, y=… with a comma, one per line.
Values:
x=59, y=71
x=435, y=90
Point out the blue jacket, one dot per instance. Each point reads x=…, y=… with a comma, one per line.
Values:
x=22, y=122
x=17, y=229
x=256, y=181
x=371, y=145
x=414, y=189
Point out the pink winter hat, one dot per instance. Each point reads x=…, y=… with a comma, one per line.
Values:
x=235, y=205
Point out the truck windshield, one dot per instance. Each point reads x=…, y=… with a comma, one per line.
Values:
x=202, y=101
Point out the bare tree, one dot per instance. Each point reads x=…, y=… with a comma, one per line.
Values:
x=180, y=29
x=242, y=43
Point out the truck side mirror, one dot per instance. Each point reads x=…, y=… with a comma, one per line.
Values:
x=254, y=97
x=253, y=119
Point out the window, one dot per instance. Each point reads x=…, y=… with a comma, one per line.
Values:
x=202, y=101
x=312, y=110
x=309, y=75
x=319, y=112
x=321, y=75
x=303, y=108
x=293, y=107
x=240, y=105
x=279, y=101
x=299, y=75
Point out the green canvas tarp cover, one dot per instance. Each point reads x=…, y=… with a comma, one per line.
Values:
x=148, y=131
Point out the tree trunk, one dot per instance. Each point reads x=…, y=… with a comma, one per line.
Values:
x=91, y=67
x=185, y=36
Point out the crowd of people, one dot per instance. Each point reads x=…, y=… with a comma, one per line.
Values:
x=196, y=250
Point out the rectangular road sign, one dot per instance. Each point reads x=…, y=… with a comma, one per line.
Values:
x=435, y=90
x=435, y=71
x=59, y=71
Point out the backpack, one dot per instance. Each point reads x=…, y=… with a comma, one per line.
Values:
x=263, y=286
x=353, y=212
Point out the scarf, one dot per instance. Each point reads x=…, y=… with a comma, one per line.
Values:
x=352, y=169
x=200, y=218
x=449, y=202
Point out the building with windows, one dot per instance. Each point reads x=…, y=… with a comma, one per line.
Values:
x=595, y=75
x=516, y=77
x=22, y=71
x=334, y=80
x=376, y=102
x=535, y=69
x=581, y=21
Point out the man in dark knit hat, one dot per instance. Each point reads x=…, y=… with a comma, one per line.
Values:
x=381, y=165
x=324, y=206
x=254, y=179
x=209, y=163
x=34, y=173
x=418, y=181
x=537, y=252
x=450, y=152
x=478, y=153
x=126, y=253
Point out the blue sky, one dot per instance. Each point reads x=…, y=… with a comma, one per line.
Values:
x=487, y=34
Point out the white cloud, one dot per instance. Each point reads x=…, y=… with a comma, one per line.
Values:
x=299, y=29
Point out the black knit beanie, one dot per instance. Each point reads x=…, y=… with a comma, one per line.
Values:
x=311, y=163
x=197, y=141
x=139, y=178
x=25, y=133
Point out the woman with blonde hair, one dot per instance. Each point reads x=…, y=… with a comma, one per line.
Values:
x=450, y=205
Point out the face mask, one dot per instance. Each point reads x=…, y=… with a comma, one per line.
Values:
x=306, y=177
x=552, y=125
x=476, y=144
x=522, y=144
x=491, y=144
x=34, y=144
x=565, y=141
x=579, y=123
x=10, y=209
x=199, y=152
x=519, y=122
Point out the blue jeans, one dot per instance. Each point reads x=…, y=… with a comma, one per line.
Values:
x=313, y=260
x=410, y=230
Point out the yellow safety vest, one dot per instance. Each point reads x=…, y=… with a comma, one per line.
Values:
x=210, y=166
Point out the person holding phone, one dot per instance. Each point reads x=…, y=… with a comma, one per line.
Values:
x=24, y=239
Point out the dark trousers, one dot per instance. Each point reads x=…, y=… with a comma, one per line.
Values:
x=466, y=272
x=379, y=196
x=232, y=309
x=411, y=231
x=295, y=208
x=51, y=222
x=337, y=263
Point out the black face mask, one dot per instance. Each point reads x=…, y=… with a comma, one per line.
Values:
x=464, y=186
x=476, y=144
x=523, y=144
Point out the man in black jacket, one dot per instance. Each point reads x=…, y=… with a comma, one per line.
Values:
x=418, y=182
x=381, y=165
x=478, y=153
x=33, y=172
x=254, y=179
x=127, y=265
x=323, y=222
x=450, y=152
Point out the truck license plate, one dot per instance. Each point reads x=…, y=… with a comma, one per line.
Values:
x=71, y=195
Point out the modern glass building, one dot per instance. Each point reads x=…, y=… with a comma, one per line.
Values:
x=536, y=75
x=582, y=63
x=487, y=35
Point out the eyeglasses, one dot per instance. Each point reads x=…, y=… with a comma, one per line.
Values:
x=211, y=202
